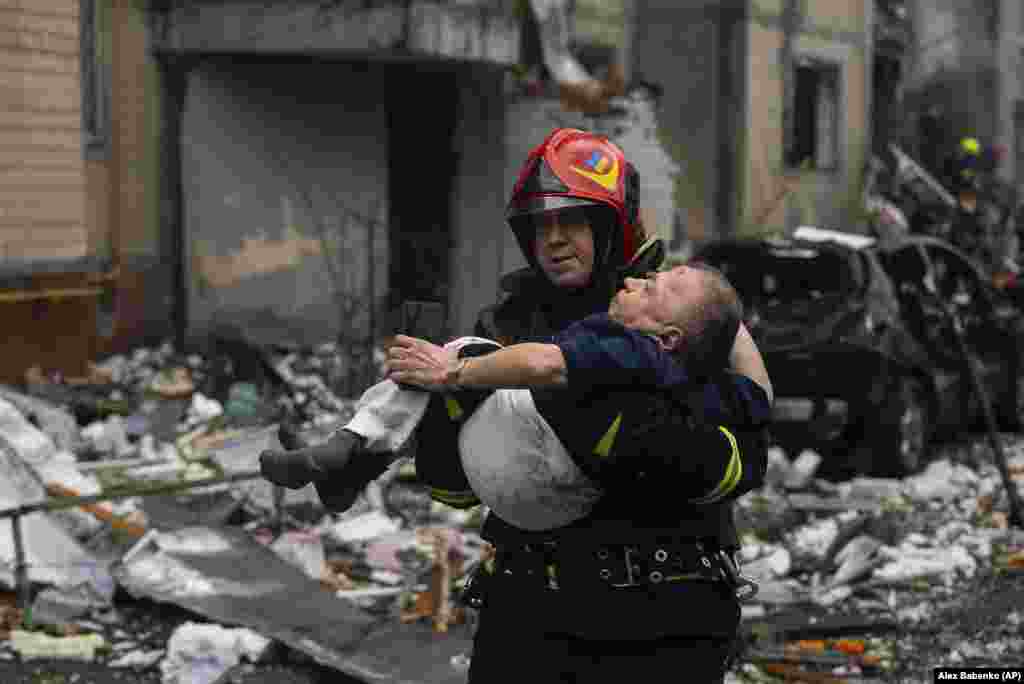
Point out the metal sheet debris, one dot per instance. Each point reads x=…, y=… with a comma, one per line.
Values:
x=228, y=577
x=52, y=554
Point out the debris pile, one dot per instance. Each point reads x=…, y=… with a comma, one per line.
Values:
x=224, y=550
x=844, y=570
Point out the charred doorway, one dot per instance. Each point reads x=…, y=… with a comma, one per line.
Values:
x=421, y=168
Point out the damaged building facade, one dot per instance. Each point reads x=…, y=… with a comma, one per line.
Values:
x=308, y=171
x=84, y=268
x=768, y=110
x=300, y=170
x=331, y=156
x=296, y=169
x=963, y=78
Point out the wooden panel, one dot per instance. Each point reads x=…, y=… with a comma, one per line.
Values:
x=40, y=199
x=46, y=42
x=67, y=120
x=42, y=240
x=49, y=234
x=44, y=251
x=52, y=179
x=11, y=225
x=34, y=81
x=29, y=243
x=46, y=205
x=56, y=335
x=40, y=158
x=43, y=244
x=24, y=138
x=39, y=23
x=14, y=92
x=20, y=60
x=67, y=8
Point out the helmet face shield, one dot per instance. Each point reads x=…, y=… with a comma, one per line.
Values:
x=534, y=205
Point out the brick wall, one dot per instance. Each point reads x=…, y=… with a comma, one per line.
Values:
x=42, y=180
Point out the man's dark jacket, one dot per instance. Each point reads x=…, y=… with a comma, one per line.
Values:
x=648, y=486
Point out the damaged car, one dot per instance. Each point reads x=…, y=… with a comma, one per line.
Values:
x=862, y=352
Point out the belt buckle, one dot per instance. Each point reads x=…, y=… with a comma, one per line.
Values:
x=631, y=579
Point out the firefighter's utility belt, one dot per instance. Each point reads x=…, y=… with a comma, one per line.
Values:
x=619, y=566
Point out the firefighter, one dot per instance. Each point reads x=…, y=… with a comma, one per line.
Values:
x=643, y=580
x=984, y=225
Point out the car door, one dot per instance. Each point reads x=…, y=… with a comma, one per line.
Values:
x=925, y=265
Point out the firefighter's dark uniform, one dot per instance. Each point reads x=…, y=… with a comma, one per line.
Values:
x=637, y=583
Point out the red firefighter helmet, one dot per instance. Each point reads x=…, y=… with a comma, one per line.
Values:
x=574, y=168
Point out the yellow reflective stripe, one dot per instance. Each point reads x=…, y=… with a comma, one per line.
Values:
x=454, y=410
x=457, y=502
x=552, y=576
x=604, y=446
x=733, y=473
x=446, y=496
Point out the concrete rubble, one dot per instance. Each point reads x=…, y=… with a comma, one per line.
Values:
x=890, y=552
x=201, y=653
x=363, y=591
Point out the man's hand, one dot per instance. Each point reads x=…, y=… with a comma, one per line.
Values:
x=413, y=361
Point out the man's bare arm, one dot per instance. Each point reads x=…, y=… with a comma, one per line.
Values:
x=528, y=365
x=745, y=359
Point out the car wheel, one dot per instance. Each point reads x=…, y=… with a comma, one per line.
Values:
x=905, y=431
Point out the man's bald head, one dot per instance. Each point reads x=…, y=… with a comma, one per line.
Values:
x=690, y=309
x=708, y=312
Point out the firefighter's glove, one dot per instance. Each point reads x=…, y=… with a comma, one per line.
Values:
x=296, y=468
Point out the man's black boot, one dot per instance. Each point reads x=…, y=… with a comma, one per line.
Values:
x=339, y=491
x=296, y=468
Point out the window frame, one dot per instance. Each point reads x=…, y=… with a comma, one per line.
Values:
x=835, y=69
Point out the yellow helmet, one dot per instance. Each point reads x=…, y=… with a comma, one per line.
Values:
x=970, y=146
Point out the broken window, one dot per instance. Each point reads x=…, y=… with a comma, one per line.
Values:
x=814, y=133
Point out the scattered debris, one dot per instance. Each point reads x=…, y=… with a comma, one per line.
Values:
x=802, y=470
x=362, y=591
x=30, y=645
x=304, y=550
x=140, y=660
x=173, y=382
x=201, y=653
